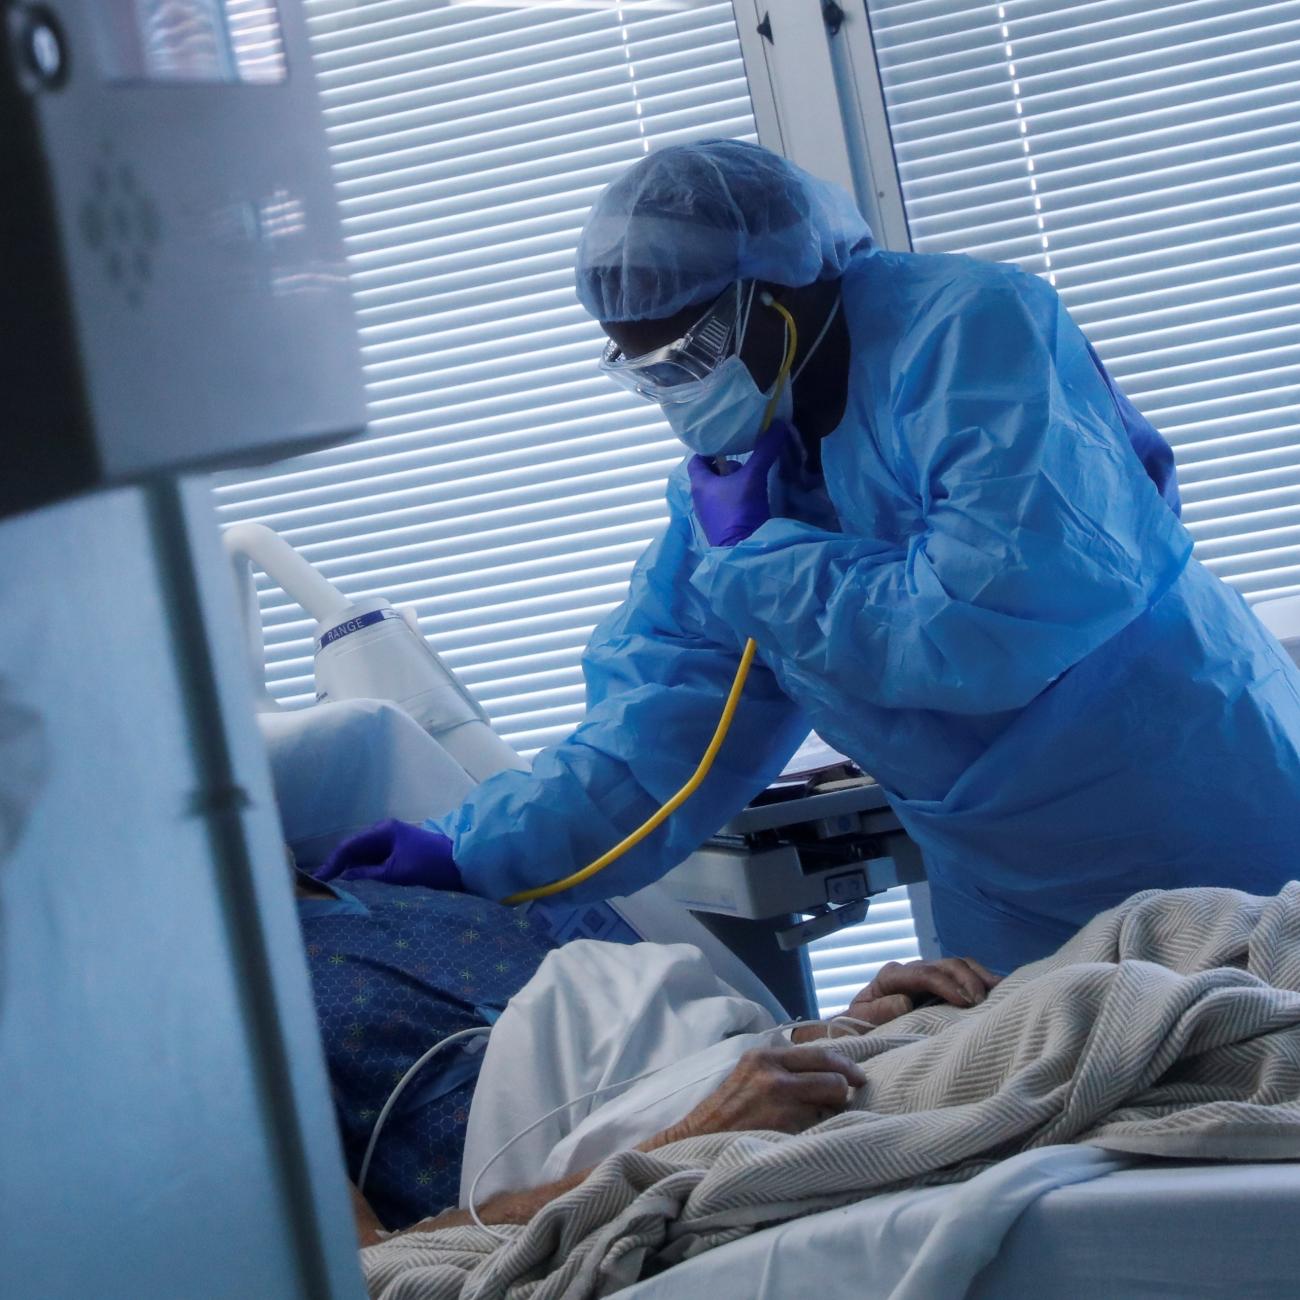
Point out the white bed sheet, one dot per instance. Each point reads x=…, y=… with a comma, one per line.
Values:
x=1136, y=1231
x=1167, y=1229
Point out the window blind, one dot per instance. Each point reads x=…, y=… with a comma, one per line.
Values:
x=842, y=963
x=505, y=487
x=1146, y=159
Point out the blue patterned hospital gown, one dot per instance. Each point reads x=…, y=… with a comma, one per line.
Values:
x=394, y=969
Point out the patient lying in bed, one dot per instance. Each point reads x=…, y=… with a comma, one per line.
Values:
x=1167, y=1027
x=397, y=968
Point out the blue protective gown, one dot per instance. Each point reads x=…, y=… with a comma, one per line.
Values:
x=985, y=602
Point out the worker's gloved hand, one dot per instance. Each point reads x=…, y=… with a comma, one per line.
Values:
x=730, y=506
x=396, y=853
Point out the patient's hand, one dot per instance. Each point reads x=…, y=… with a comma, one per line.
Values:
x=899, y=986
x=786, y=1089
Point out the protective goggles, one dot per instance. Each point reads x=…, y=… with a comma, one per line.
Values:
x=666, y=374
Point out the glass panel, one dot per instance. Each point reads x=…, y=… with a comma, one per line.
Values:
x=224, y=41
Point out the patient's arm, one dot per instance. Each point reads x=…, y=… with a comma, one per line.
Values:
x=369, y=1229
x=901, y=986
x=786, y=1089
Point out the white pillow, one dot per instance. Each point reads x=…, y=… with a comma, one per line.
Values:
x=340, y=767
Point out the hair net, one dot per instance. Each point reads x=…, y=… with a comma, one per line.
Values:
x=688, y=220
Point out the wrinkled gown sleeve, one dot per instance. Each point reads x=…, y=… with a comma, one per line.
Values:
x=1038, y=535
x=657, y=672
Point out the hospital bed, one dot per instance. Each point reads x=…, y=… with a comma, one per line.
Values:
x=340, y=767
x=1063, y=1221
x=1122, y=1228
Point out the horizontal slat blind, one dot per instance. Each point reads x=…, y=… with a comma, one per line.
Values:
x=844, y=962
x=1146, y=159
x=505, y=487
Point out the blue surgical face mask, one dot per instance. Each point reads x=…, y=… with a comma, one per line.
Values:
x=723, y=415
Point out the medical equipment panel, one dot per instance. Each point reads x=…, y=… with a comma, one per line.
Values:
x=176, y=293
x=167, y=1128
x=190, y=40
x=820, y=850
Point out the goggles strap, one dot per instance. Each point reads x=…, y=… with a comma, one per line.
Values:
x=742, y=313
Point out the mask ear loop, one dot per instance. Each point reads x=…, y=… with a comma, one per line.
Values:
x=817, y=342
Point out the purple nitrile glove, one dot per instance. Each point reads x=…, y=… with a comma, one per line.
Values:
x=730, y=506
x=396, y=853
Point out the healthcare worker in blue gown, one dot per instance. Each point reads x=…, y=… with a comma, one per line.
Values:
x=958, y=550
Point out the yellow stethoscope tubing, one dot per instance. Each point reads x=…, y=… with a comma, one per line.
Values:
x=660, y=816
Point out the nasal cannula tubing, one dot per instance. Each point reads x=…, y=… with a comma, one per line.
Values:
x=733, y=696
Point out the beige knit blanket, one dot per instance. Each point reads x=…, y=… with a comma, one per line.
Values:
x=1168, y=1026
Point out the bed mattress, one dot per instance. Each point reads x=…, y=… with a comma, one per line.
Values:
x=1134, y=1231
